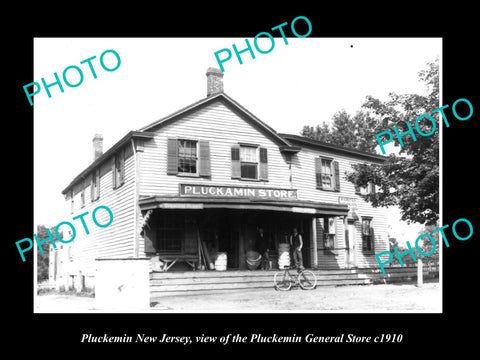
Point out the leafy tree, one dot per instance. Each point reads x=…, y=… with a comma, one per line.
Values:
x=346, y=130
x=43, y=259
x=409, y=179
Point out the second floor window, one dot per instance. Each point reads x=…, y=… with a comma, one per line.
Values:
x=187, y=156
x=248, y=162
x=119, y=169
x=95, y=185
x=327, y=173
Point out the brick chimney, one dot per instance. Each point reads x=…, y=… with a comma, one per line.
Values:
x=214, y=81
x=97, y=146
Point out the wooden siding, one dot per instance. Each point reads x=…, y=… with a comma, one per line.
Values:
x=304, y=179
x=116, y=240
x=222, y=128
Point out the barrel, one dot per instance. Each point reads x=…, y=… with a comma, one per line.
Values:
x=254, y=259
x=221, y=261
x=283, y=255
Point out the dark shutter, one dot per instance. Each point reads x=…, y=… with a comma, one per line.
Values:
x=336, y=173
x=372, y=237
x=372, y=187
x=172, y=156
x=263, y=164
x=204, y=158
x=236, y=174
x=122, y=166
x=114, y=173
x=357, y=189
x=318, y=172
x=92, y=191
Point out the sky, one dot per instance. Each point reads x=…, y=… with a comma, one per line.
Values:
x=303, y=83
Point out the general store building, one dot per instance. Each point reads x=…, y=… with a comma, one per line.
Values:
x=212, y=175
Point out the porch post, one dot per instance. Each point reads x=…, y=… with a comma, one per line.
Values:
x=314, y=242
x=347, y=242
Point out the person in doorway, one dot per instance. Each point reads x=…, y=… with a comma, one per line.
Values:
x=296, y=243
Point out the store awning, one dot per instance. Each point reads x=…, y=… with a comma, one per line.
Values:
x=314, y=208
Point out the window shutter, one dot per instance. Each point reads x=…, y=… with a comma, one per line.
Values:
x=336, y=172
x=92, y=191
x=172, y=156
x=114, y=182
x=263, y=164
x=318, y=172
x=372, y=187
x=236, y=174
x=122, y=167
x=204, y=158
x=372, y=236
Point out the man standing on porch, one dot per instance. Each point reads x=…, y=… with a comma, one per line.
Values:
x=297, y=244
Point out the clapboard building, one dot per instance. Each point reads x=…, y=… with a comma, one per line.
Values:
x=211, y=178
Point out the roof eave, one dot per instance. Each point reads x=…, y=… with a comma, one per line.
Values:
x=107, y=154
x=334, y=148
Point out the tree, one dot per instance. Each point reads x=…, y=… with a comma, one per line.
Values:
x=350, y=131
x=43, y=259
x=408, y=180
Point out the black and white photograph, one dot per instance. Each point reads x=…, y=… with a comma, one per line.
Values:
x=208, y=182
x=185, y=188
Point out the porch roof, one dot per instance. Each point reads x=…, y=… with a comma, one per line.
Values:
x=314, y=208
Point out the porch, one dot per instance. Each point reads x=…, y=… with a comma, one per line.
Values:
x=199, y=282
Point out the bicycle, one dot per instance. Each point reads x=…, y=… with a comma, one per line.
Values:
x=284, y=280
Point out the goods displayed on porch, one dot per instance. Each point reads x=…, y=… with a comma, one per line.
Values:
x=254, y=259
x=206, y=260
x=283, y=255
x=221, y=261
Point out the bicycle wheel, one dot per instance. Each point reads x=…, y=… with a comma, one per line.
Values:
x=307, y=280
x=282, y=281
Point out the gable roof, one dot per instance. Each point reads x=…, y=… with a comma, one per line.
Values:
x=106, y=155
x=320, y=145
x=232, y=105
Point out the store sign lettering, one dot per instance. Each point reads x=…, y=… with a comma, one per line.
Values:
x=236, y=192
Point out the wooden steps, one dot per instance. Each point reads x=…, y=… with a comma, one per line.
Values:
x=196, y=282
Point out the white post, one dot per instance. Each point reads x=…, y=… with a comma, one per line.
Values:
x=314, y=242
x=420, y=273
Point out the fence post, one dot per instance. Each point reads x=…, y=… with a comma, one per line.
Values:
x=419, y=273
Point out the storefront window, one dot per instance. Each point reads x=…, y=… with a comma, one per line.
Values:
x=187, y=156
x=170, y=233
x=367, y=235
x=329, y=236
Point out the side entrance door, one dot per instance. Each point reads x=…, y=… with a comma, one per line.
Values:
x=351, y=261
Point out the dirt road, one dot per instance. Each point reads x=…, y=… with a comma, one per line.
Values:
x=366, y=298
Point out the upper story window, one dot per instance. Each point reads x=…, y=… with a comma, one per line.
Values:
x=82, y=198
x=366, y=190
x=327, y=173
x=249, y=162
x=118, y=170
x=95, y=185
x=187, y=156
